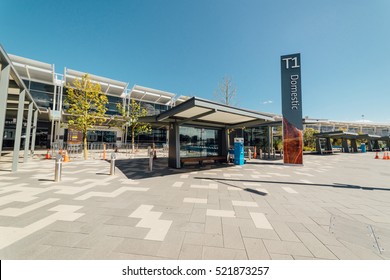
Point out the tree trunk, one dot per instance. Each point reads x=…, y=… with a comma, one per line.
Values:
x=132, y=139
x=85, y=145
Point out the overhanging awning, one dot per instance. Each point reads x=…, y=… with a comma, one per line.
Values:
x=108, y=86
x=336, y=135
x=33, y=70
x=151, y=95
x=368, y=137
x=204, y=112
x=346, y=135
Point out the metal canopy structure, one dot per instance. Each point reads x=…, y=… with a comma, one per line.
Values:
x=372, y=140
x=336, y=135
x=181, y=99
x=33, y=70
x=204, y=112
x=108, y=86
x=17, y=103
x=151, y=95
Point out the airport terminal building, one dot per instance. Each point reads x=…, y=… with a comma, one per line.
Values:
x=33, y=115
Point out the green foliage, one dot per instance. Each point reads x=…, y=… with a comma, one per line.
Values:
x=278, y=144
x=130, y=116
x=309, y=141
x=87, y=106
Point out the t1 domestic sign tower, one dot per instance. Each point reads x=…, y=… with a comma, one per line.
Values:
x=292, y=109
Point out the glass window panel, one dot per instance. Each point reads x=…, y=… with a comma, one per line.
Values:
x=199, y=142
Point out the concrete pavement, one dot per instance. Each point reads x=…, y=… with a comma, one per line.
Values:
x=333, y=207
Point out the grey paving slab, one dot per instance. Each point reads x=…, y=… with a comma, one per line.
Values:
x=191, y=252
x=256, y=249
x=171, y=246
x=213, y=225
x=284, y=232
x=281, y=257
x=287, y=248
x=139, y=247
x=62, y=253
x=204, y=239
x=232, y=237
x=318, y=249
x=215, y=253
x=64, y=239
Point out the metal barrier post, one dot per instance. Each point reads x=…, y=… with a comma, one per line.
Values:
x=112, y=164
x=261, y=154
x=150, y=153
x=249, y=154
x=58, y=168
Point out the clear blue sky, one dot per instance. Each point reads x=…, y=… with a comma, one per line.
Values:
x=187, y=46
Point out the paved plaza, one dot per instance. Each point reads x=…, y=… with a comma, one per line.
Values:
x=333, y=207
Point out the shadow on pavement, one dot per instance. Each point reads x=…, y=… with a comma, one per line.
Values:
x=139, y=168
x=335, y=185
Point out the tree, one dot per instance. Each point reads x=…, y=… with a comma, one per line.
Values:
x=226, y=92
x=309, y=141
x=130, y=118
x=87, y=106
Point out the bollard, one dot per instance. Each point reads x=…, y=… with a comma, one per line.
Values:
x=150, y=153
x=112, y=164
x=58, y=168
x=249, y=154
x=261, y=154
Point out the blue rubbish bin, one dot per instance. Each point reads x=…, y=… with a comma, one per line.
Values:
x=363, y=148
x=238, y=151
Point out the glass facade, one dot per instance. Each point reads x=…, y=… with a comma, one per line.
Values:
x=43, y=94
x=158, y=136
x=111, y=105
x=199, y=142
x=99, y=136
x=153, y=109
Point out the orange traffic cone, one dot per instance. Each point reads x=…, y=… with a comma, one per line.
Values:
x=387, y=155
x=384, y=155
x=255, y=152
x=66, y=157
x=48, y=156
x=376, y=156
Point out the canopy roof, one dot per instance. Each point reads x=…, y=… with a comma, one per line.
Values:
x=181, y=99
x=108, y=86
x=204, y=112
x=33, y=70
x=346, y=135
x=146, y=94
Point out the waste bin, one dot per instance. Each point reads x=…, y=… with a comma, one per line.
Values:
x=239, y=151
x=363, y=148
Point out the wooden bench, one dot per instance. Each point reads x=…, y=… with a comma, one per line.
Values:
x=200, y=160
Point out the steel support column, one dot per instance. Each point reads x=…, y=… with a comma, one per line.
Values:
x=4, y=83
x=28, y=133
x=174, y=146
x=18, y=132
x=34, y=132
x=270, y=141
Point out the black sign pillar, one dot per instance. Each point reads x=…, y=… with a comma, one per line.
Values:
x=292, y=109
